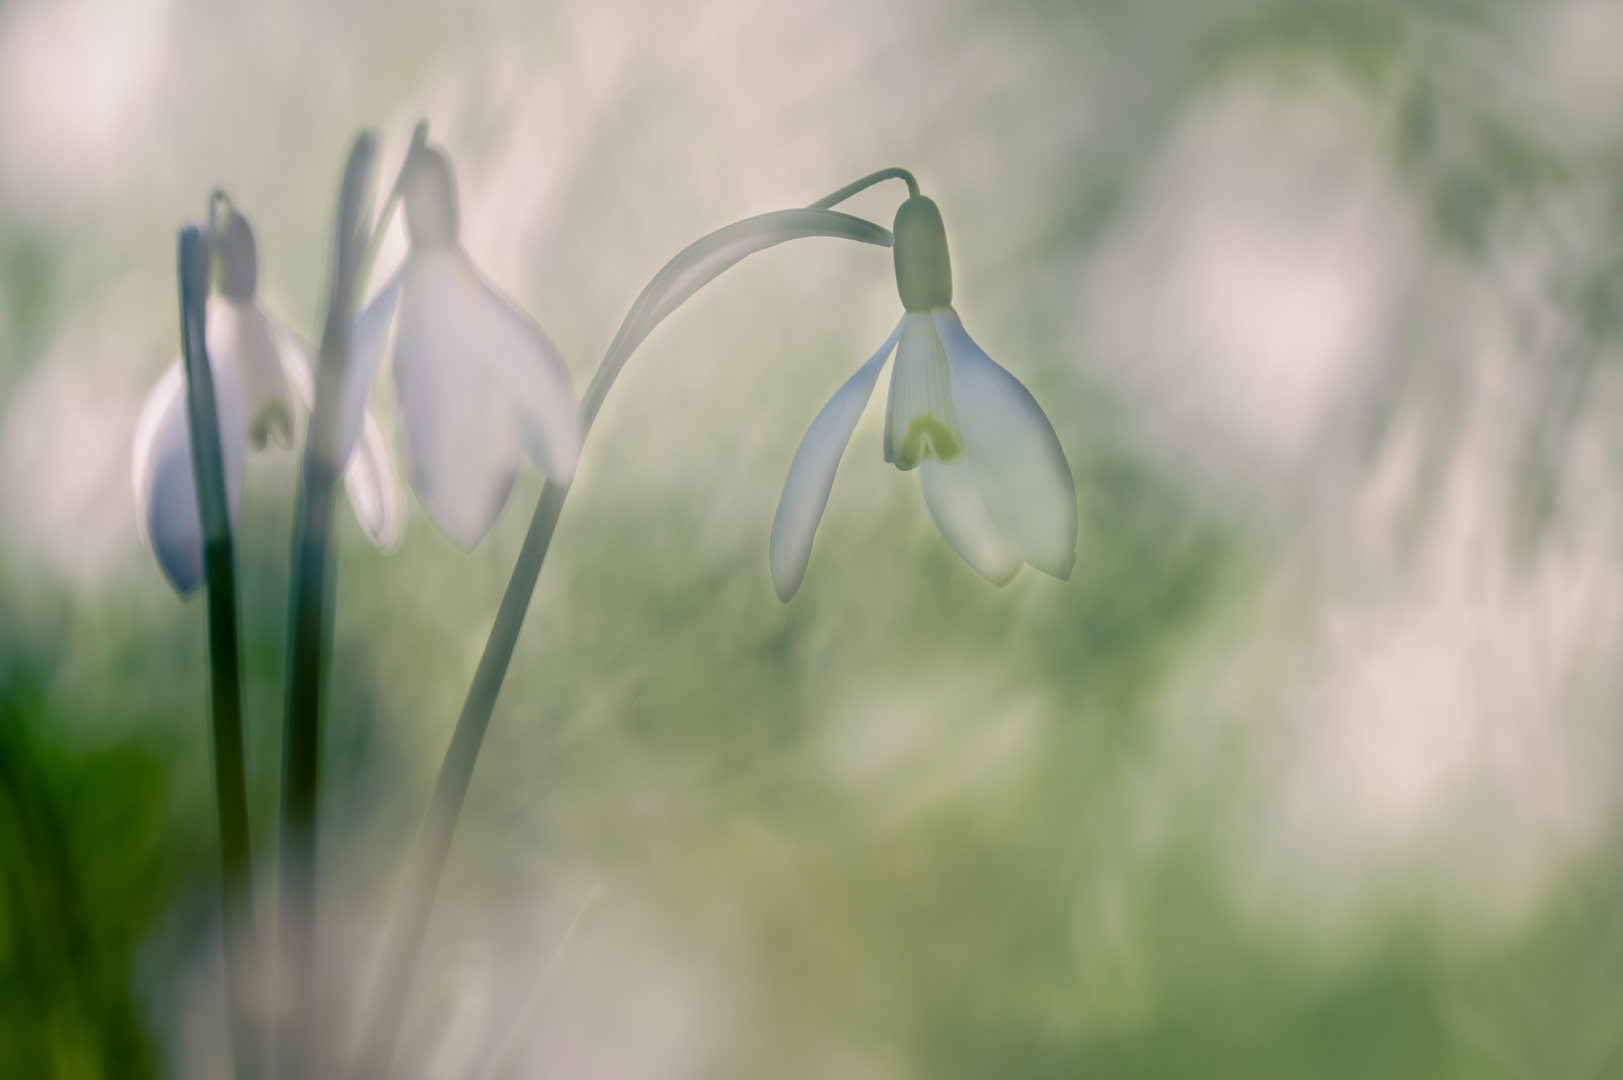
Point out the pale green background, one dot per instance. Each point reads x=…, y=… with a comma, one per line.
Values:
x=1311, y=770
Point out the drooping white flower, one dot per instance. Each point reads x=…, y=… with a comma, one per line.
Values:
x=262, y=371
x=478, y=383
x=994, y=475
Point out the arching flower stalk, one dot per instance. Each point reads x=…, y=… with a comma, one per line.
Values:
x=693, y=268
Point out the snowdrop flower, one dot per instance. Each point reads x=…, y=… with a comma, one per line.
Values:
x=994, y=475
x=477, y=381
x=260, y=369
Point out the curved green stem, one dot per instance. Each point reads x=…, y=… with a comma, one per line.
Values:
x=308, y=634
x=694, y=267
x=410, y=918
x=865, y=183
x=225, y=680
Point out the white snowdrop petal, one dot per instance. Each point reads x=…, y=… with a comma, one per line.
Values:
x=242, y=330
x=298, y=363
x=457, y=416
x=1020, y=467
x=165, y=491
x=369, y=478
x=374, y=492
x=955, y=503
x=161, y=467
x=543, y=398
x=368, y=338
x=811, y=474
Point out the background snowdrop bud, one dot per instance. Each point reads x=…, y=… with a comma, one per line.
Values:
x=236, y=257
x=428, y=187
x=262, y=373
x=923, y=271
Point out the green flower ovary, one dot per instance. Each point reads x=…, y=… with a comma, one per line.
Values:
x=923, y=270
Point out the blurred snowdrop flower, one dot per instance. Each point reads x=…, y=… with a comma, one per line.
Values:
x=260, y=369
x=477, y=381
x=994, y=475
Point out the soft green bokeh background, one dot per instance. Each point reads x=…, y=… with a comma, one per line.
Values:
x=1311, y=770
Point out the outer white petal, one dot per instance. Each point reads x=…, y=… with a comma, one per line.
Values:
x=161, y=467
x=374, y=492
x=368, y=338
x=298, y=362
x=811, y=474
x=369, y=478
x=1024, y=479
x=455, y=405
x=955, y=502
x=165, y=491
x=547, y=417
x=239, y=330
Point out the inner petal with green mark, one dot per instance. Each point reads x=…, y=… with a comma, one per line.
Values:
x=920, y=421
x=272, y=424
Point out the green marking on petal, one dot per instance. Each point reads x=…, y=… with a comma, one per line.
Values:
x=927, y=437
x=271, y=424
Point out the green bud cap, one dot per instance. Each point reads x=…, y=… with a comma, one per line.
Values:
x=923, y=272
x=236, y=256
x=428, y=188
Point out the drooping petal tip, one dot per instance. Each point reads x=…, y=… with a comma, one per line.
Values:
x=456, y=406
x=954, y=499
x=1020, y=467
x=542, y=396
x=165, y=491
x=811, y=474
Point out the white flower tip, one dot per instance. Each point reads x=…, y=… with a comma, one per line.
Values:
x=811, y=473
x=465, y=539
x=785, y=580
x=1006, y=578
x=185, y=587
x=793, y=528
x=566, y=455
x=165, y=492
x=171, y=526
x=373, y=490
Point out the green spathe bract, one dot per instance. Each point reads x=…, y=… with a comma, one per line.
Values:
x=923, y=270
